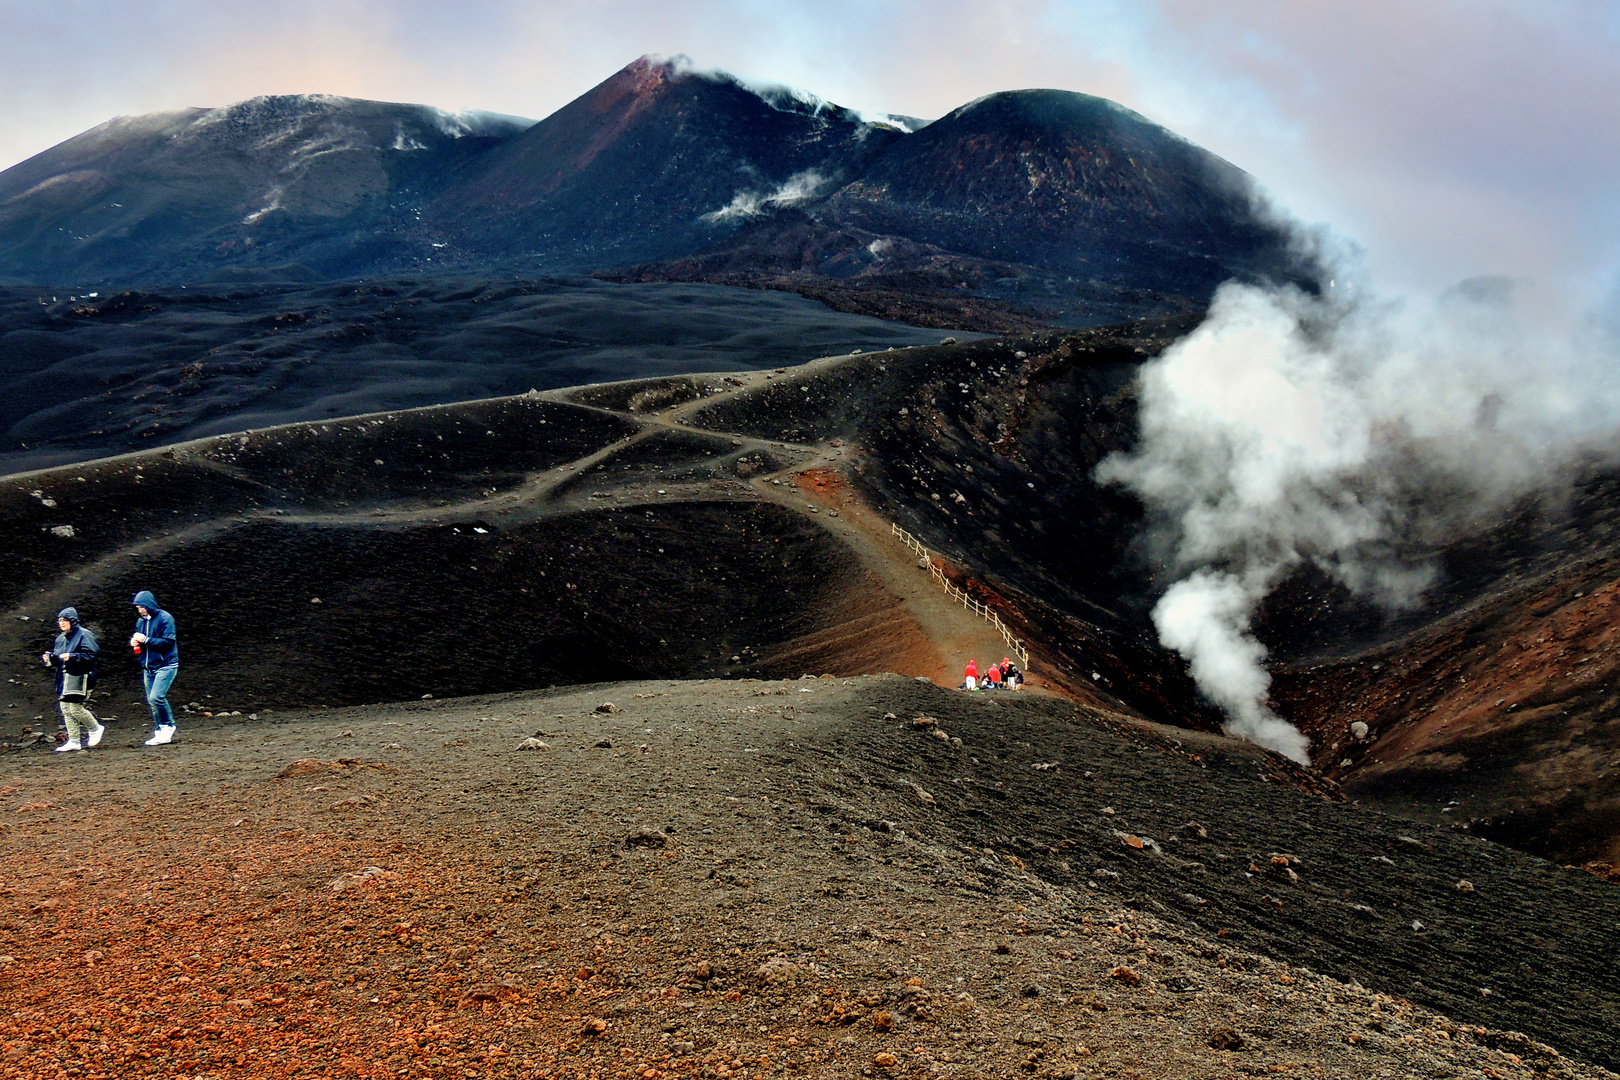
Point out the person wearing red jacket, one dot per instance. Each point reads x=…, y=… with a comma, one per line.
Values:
x=970, y=676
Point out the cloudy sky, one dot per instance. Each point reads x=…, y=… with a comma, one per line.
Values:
x=1447, y=137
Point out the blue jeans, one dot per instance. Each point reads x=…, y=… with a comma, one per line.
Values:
x=157, y=694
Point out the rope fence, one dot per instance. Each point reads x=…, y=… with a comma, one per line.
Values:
x=984, y=611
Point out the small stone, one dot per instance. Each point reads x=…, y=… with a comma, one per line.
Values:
x=604, y=744
x=887, y=1060
x=607, y=707
x=647, y=838
x=920, y=792
x=314, y=599
x=531, y=743
x=1125, y=975
x=939, y=733
x=778, y=971
x=1226, y=1039
x=64, y=531
x=427, y=697
x=1465, y=886
x=924, y=722
x=1359, y=731
x=682, y=1047
x=1195, y=831
x=593, y=1027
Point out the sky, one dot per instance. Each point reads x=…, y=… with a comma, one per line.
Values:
x=1443, y=138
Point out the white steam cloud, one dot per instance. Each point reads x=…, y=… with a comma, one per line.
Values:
x=798, y=188
x=1348, y=432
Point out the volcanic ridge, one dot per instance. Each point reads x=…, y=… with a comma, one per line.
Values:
x=746, y=527
x=1012, y=212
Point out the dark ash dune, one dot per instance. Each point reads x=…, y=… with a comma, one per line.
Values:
x=81, y=377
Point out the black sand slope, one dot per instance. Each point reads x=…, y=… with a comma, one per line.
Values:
x=84, y=376
x=1482, y=933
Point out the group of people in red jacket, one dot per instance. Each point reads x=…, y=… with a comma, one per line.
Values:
x=1004, y=675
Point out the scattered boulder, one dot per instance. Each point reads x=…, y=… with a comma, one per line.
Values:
x=1359, y=731
x=607, y=707
x=531, y=743
x=1125, y=975
x=1194, y=831
x=1226, y=1039
x=647, y=838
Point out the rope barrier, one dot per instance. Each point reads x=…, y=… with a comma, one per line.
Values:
x=984, y=611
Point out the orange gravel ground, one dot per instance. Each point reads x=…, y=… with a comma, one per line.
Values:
x=196, y=971
x=257, y=900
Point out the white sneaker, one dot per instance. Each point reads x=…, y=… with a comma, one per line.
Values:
x=71, y=744
x=96, y=733
x=161, y=737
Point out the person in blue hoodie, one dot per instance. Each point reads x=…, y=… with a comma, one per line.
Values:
x=158, y=653
x=74, y=653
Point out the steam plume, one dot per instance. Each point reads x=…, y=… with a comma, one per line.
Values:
x=1345, y=431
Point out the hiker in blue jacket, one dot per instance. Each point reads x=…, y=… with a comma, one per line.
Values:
x=74, y=653
x=158, y=653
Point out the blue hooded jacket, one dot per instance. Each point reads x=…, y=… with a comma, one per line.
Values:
x=162, y=648
x=79, y=644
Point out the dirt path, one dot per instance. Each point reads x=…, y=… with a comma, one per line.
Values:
x=955, y=634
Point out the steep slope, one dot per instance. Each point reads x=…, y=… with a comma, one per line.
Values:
x=1490, y=708
x=1021, y=202
x=1066, y=181
x=336, y=184
x=658, y=160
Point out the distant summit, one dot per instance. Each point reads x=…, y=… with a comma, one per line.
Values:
x=657, y=161
x=1017, y=208
x=334, y=183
